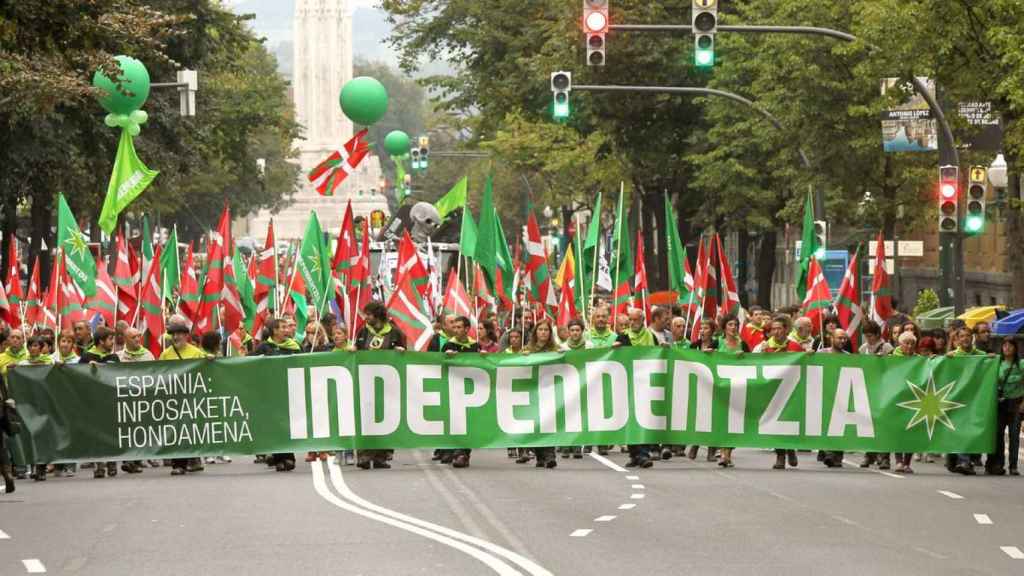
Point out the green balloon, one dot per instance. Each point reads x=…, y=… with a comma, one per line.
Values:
x=364, y=100
x=133, y=129
x=134, y=78
x=396, y=143
x=111, y=120
x=139, y=116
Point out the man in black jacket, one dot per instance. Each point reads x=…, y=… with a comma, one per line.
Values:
x=278, y=343
x=458, y=341
x=101, y=352
x=377, y=334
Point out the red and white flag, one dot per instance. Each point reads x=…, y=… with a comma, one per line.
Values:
x=730, y=295
x=640, y=289
x=34, y=313
x=330, y=173
x=847, y=304
x=105, y=299
x=152, y=308
x=818, y=300
x=881, y=296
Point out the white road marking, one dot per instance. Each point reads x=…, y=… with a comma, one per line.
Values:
x=636, y=496
x=1013, y=552
x=882, y=472
x=952, y=495
x=580, y=533
x=982, y=519
x=627, y=506
x=632, y=477
x=637, y=486
x=320, y=485
x=34, y=566
x=607, y=462
x=4, y=536
x=604, y=518
x=528, y=565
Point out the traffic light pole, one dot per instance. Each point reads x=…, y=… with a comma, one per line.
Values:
x=951, y=253
x=695, y=91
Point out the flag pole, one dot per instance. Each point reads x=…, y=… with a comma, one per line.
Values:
x=618, y=251
x=57, y=288
x=594, y=271
x=583, y=271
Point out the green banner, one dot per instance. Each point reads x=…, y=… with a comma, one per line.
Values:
x=427, y=400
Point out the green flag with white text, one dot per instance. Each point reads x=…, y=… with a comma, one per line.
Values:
x=129, y=178
x=78, y=258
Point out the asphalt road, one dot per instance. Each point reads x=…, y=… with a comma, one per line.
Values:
x=497, y=517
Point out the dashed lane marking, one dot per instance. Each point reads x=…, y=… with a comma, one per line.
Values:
x=982, y=519
x=4, y=536
x=637, y=486
x=950, y=495
x=34, y=566
x=632, y=477
x=581, y=532
x=1013, y=552
x=604, y=518
x=636, y=496
x=882, y=472
x=627, y=506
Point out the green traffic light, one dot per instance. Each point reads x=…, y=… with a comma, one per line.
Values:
x=704, y=58
x=974, y=224
x=561, y=111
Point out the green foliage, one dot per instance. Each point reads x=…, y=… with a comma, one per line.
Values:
x=55, y=138
x=927, y=300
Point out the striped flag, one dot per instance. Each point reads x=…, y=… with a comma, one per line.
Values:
x=152, y=308
x=104, y=300
x=847, y=303
x=33, y=301
x=330, y=173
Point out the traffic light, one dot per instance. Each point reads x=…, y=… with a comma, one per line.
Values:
x=595, y=25
x=974, y=222
x=561, y=86
x=414, y=155
x=949, y=195
x=705, y=24
x=424, y=151
x=821, y=235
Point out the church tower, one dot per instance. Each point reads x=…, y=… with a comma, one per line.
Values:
x=322, y=36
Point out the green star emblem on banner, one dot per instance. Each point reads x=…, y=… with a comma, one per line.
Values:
x=314, y=265
x=930, y=405
x=77, y=244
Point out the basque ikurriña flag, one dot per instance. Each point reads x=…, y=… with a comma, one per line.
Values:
x=330, y=173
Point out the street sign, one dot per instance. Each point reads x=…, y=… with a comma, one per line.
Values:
x=908, y=248
x=987, y=134
x=890, y=265
x=909, y=126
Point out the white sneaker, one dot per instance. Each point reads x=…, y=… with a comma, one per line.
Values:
x=211, y=460
x=225, y=459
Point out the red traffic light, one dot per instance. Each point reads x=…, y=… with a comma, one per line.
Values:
x=948, y=190
x=596, y=22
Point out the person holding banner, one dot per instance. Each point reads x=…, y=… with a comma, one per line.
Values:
x=600, y=334
x=1011, y=393
x=101, y=352
x=37, y=356
x=707, y=343
x=542, y=339
x=575, y=340
x=66, y=353
x=15, y=352
x=377, y=334
x=637, y=334
x=906, y=349
x=756, y=330
x=458, y=342
x=840, y=344
x=964, y=341
x=778, y=342
x=279, y=343
x=180, y=349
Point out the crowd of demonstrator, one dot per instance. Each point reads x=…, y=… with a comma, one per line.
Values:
x=764, y=332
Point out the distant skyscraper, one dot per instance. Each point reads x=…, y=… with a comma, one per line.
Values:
x=322, y=37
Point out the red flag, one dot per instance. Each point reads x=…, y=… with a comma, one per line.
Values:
x=640, y=278
x=700, y=280
x=189, y=289
x=8, y=315
x=358, y=288
x=881, y=297
x=53, y=292
x=346, y=249
x=410, y=312
x=711, y=284
x=330, y=173
x=730, y=295
x=126, y=279
x=218, y=254
x=231, y=302
x=72, y=301
x=409, y=263
x=538, y=274
x=152, y=308
x=104, y=301
x=456, y=301
x=484, y=298
x=14, y=293
x=847, y=303
x=818, y=300
x=34, y=301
